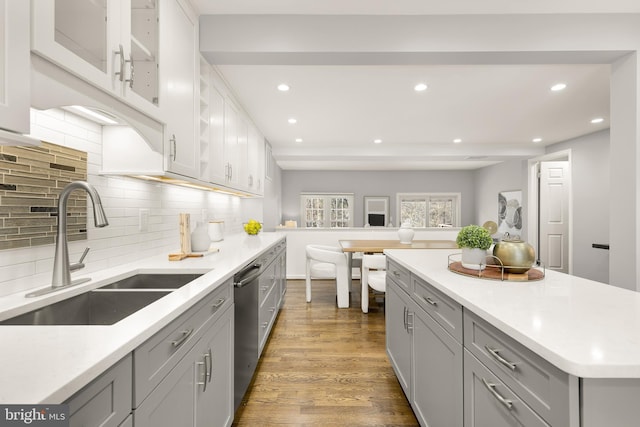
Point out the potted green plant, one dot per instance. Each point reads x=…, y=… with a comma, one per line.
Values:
x=474, y=242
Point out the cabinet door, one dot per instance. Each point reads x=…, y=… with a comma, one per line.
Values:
x=142, y=32
x=178, y=78
x=437, y=374
x=255, y=152
x=171, y=403
x=488, y=402
x=217, y=161
x=231, y=143
x=398, y=334
x=14, y=66
x=214, y=370
x=241, y=170
x=80, y=36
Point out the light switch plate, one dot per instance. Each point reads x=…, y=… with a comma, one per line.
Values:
x=144, y=220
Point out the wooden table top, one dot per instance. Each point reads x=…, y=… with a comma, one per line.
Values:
x=381, y=245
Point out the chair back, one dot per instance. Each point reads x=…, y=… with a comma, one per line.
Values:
x=375, y=261
x=325, y=253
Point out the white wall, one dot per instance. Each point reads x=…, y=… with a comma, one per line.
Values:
x=122, y=199
x=376, y=183
x=590, y=173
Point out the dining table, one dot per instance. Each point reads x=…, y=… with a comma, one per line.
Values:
x=372, y=246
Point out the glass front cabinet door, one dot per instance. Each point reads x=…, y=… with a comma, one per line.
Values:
x=112, y=44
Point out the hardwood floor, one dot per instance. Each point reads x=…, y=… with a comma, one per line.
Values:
x=325, y=366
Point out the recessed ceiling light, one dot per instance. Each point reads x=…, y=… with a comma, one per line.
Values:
x=537, y=139
x=420, y=87
x=283, y=87
x=292, y=121
x=457, y=141
x=298, y=139
x=597, y=120
x=377, y=141
x=558, y=86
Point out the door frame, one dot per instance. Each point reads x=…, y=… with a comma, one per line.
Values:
x=533, y=191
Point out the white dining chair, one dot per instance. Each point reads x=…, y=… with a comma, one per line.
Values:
x=328, y=262
x=374, y=276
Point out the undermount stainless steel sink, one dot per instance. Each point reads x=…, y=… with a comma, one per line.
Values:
x=153, y=281
x=108, y=304
x=97, y=307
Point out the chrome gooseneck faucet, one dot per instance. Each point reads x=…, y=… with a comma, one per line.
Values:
x=62, y=268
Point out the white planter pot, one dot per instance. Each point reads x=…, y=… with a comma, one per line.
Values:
x=474, y=258
x=405, y=233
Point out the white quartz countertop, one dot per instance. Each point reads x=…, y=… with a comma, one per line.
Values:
x=587, y=329
x=48, y=364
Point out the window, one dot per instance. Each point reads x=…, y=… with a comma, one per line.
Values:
x=429, y=209
x=327, y=210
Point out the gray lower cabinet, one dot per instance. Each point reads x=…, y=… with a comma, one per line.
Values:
x=106, y=401
x=199, y=389
x=437, y=374
x=398, y=334
x=490, y=403
x=214, y=374
x=426, y=359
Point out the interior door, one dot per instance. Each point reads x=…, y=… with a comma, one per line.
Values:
x=553, y=246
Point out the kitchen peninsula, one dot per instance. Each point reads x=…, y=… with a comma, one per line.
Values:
x=562, y=351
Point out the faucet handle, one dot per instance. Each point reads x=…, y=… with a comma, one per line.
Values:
x=79, y=265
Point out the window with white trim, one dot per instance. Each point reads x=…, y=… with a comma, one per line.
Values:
x=325, y=210
x=429, y=209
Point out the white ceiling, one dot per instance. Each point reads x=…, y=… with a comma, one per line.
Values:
x=495, y=109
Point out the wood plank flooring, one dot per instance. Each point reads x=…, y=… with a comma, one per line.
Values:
x=325, y=366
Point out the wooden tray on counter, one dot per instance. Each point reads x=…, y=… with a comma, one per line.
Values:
x=494, y=272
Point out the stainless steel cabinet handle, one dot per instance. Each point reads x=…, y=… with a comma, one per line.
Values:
x=173, y=146
x=120, y=73
x=410, y=325
x=182, y=339
x=492, y=388
x=204, y=382
x=264, y=325
x=216, y=305
x=430, y=301
x=495, y=354
x=404, y=318
x=396, y=273
x=208, y=358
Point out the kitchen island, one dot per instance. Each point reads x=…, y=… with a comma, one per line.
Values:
x=560, y=351
x=48, y=364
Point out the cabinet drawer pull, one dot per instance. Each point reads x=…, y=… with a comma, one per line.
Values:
x=495, y=354
x=430, y=301
x=396, y=273
x=492, y=389
x=208, y=357
x=264, y=325
x=216, y=305
x=182, y=339
x=204, y=382
x=174, y=148
x=410, y=324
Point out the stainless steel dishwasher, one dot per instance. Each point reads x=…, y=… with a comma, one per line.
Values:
x=245, y=295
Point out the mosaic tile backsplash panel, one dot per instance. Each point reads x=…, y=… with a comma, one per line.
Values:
x=31, y=179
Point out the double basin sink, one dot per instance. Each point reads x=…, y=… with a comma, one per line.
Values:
x=105, y=305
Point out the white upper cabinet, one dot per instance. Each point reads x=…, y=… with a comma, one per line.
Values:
x=14, y=66
x=178, y=75
x=112, y=44
x=255, y=161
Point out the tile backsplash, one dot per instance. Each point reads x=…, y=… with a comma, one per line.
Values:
x=124, y=200
x=31, y=179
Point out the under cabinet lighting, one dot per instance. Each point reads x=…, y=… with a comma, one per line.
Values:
x=93, y=114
